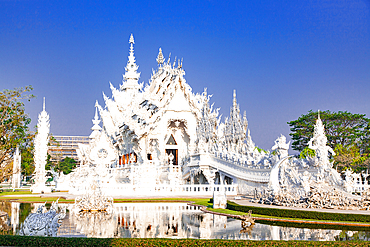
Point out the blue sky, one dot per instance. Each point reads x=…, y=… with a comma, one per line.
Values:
x=283, y=57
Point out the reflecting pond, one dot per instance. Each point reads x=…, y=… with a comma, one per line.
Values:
x=166, y=220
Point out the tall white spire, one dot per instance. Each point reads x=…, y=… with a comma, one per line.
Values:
x=319, y=131
x=96, y=121
x=131, y=76
x=160, y=57
x=41, y=148
x=234, y=99
x=235, y=125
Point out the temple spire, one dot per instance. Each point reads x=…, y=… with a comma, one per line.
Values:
x=96, y=121
x=234, y=99
x=40, y=155
x=43, y=105
x=160, y=57
x=132, y=41
x=131, y=76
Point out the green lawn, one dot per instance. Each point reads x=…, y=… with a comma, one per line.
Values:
x=20, y=192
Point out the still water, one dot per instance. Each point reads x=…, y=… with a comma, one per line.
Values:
x=167, y=220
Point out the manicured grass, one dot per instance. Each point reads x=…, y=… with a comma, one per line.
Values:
x=19, y=192
x=70, y=242
x=301, y=214
x=35, y=199
x=208, y=204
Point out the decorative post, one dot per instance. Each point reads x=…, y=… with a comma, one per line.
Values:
x=16, y=180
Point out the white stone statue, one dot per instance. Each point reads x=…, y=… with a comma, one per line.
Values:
x=318, y=143
x=349, y=180
x=43, y=224
x=281, y=147
x=94, y=200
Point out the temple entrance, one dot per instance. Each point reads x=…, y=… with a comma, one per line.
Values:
x=171, y=148
x=174, y=152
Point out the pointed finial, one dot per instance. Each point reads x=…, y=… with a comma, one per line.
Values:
x=318, y=114
x=43, y=106
x=169, y=58
x=96, y=121
x=160, y=57
x=131, y=76
x=174, y=63
x=96, y=111
x=132, y=41
x=234, y=98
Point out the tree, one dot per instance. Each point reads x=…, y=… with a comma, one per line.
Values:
x=27, y=164
x=13, y=126
x=350, y=157
x=67, y=165
x=341, y=128
x=348, y=135
x=307, y=152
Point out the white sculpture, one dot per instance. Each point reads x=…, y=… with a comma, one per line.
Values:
x=281, y=147
x=94, y=200
x=40, y=155
x=349, y=179
x=318, y=143
x=247, y=222
x=43, y=224
x=312, y=183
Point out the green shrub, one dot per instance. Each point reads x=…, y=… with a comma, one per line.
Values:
x=71, y=242
x=299, y=214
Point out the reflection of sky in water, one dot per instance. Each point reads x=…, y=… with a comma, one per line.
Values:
x=170, y=220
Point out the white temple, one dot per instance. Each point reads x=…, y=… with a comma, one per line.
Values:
x=163, y=139
x=40, y=155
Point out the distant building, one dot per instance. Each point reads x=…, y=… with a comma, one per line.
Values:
x=65, y=146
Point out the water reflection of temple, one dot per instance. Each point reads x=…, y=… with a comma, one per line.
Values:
x=171, y=220
x=179, y=220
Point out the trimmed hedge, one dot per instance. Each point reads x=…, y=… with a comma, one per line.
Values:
x=314, y=226
x=299, y=214
x=70, y=242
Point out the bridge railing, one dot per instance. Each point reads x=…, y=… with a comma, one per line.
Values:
x=360, y=187
x=253, y=174
x=187, y=189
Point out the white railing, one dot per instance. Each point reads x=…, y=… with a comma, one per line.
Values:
x=359, y=187
x=188, y=189
x=151, y=207
x=240, y=171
